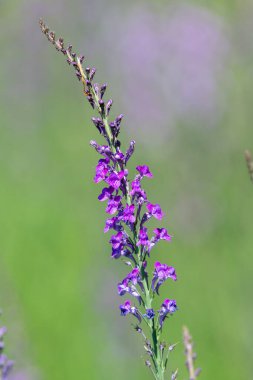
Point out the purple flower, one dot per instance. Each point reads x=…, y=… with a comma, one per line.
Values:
x=143, y=237
x=101, y=149
x=150, y=314
x=137, y=191
x=134, y=276
x=123, y=287
x=144, y=171
x=117, y=240
x=106, y=193
x=126, y=308
x=155, y=211
x=111, y=224
x=114, y=179
x=168, y=307
x=113, y=204
x=128, y=214
x=162, y=273
x=119, y=156
x=101, y=170
x=117, y=253
x=161, y=234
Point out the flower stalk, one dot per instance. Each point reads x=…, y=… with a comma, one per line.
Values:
x=249, y=162
x=129, y=211
x=190, y=355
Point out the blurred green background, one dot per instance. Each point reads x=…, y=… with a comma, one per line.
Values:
x=181, y=72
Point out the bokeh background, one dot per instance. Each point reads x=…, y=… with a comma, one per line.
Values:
x=182, y=74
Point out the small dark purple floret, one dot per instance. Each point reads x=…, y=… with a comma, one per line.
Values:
x=150, y=314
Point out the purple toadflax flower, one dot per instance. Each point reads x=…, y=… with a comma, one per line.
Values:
x=126, y=308
x=155, y=210
x=128, y=202
x=144, y=171
x=168, y=307
x=161, y=274
x=161, y=234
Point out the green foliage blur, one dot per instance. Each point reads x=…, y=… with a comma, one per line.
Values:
x=57, y=281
